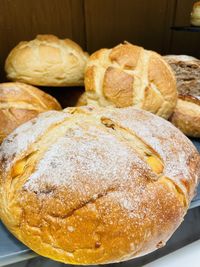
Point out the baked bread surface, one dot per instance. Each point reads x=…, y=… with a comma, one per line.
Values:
x=186, y=115
x=128, y=75
x=187, y=72
x=48, y=61
x=21, y=102
x=82, y=100
x=94, y=186
x=195, y=15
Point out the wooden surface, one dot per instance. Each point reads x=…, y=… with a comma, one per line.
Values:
x=142, y=22
x=184, y=42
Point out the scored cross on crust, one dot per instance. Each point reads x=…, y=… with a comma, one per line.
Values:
x=94, y=186
x=129, y=75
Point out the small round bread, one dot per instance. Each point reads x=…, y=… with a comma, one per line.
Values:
x=128, y=75
x=186, y=115
x=96, y=186
x=195, y=15
x=21, y=102
x=48, y=61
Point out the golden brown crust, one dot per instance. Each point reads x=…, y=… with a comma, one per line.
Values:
x=166, y=85
x=93, y=186
x=151, y=96
x=195, y=15
x=118, y=87
x=21, y=102
x=47, y=60
x=186, y=116
x=196, y=4
x=89, y=79
x=97, y=54
x=82, y=101
x=190, y=98
x=126, y=56
x=153, y=84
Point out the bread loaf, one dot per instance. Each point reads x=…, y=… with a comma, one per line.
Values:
x=96, y=186
x=186, y=115
x=195, y=15
x=187, y=72
x=128, y=75
x=47, y=60
x=19, y=103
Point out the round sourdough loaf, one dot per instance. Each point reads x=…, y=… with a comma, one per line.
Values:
x=48, y=61
x=96, y=186
x=19, y=103
x=128, y=75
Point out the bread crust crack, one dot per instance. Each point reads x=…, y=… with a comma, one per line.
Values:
x=144, y=151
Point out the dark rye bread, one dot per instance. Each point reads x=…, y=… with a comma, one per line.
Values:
x=187, y=72
x=186, y=115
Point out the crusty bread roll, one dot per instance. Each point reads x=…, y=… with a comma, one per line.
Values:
x=186, y=115
x=19, y=103
x=94, y=186
x=129, y=75
x=47, y=60
x=195, y=15
x=82, y=100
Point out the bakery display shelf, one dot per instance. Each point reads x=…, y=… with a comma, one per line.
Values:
x=186, y=28
x=11, y=250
